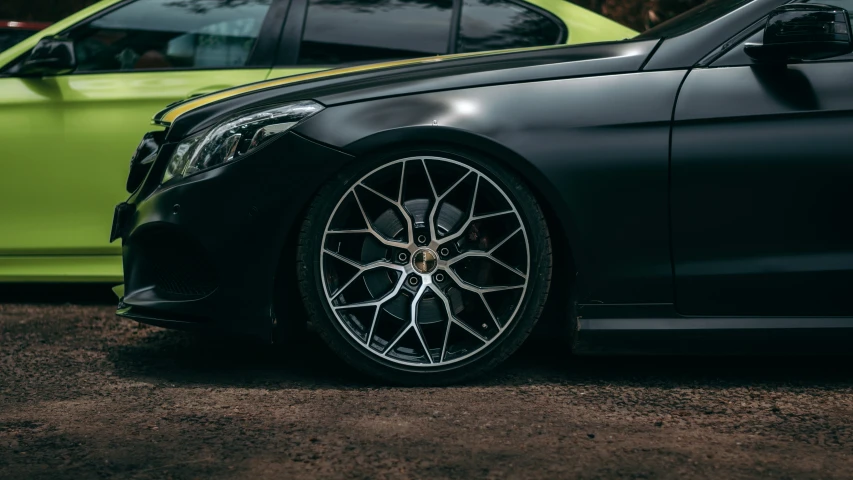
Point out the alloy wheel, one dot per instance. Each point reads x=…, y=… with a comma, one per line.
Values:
x=425, y=261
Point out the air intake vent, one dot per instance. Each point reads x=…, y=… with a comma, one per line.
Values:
x=175, y=265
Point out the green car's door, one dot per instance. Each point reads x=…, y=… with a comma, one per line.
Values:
x=67, y=139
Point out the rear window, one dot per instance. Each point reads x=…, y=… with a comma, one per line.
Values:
x=356, y=31
x=12, y=37
x=501, y=24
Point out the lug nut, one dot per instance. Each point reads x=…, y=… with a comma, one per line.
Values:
x=422, y=238
x=402, y=256
x=413, y=281
x=439, y=277
x=444, y=251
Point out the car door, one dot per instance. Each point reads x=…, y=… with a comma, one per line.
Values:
x=67, y=139
x=322, y=34
x=761, y=176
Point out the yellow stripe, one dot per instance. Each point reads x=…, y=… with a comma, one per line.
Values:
x=169, y=116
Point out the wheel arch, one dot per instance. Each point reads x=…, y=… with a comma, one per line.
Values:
x=557, y=213
x=435, y=136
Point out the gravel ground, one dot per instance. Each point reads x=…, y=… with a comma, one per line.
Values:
x=85, y=394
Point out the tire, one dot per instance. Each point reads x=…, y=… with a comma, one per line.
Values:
x=478, y=271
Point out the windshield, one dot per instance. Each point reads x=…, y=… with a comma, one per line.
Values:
x=692, y=19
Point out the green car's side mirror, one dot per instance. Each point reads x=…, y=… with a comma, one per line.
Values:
x=803, y=31
x=51, y=56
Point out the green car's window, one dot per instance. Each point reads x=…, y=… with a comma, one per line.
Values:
x=501, y=24
x=10, y=37
x=355, y=31
x=164, y=34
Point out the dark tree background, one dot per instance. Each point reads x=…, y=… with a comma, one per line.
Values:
x=637, y=14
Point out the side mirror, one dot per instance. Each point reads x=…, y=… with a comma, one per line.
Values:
x=51, y=56
x=803, y=31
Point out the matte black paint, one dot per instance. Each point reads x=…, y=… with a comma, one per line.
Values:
x=241, y=225
x=701, y=204
x=494, y=69
x=760, y=186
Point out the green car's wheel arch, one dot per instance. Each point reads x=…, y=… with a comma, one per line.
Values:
x=424, y=266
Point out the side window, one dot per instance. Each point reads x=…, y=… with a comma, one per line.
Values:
x=352, y=31
x=180, y=34
x=10, y=37
x=501, y=24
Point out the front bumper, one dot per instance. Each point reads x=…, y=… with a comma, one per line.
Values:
x=206, y=252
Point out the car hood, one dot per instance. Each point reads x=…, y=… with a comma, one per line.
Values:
x=405, y=77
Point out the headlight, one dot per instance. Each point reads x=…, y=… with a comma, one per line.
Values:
x=235, y=137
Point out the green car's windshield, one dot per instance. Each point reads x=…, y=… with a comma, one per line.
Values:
x=692, y=19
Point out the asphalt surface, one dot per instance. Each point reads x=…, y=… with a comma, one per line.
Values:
x=84, y=394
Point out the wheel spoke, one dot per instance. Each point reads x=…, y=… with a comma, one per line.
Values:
x=490, y=215
x=373, y=324
x=357, y=230
x=397, y=339
x=446, y=337
x=454, y=320
x=498, y=289
x=402, y=179
x=377, y=235
x=489, y=309
x=435, y=200
x=500, y=244
x=449, y=312
x=383, y=197
x=467, y=223
x=375, y=302
x=438, y=198
x=400, y=208
x=474, y=288
x=470, y=330
x=414, y=320
x=361, y=269
x=475, y=253
x=431, y=184
x=342, y=289
x=363, y=266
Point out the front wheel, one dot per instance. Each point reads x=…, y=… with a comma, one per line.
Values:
x=424, y=267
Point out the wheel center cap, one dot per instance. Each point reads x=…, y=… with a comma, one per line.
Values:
x=424, y=260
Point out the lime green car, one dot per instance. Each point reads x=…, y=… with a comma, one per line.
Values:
x=68, y=124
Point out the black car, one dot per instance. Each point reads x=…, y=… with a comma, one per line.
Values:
x=684, y=191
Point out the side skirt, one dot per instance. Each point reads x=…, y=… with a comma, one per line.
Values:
x=61, y=268
x=657, y=329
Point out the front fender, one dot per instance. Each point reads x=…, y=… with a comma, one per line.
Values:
x=596, y=150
